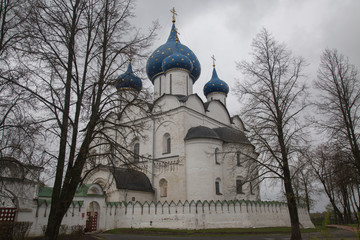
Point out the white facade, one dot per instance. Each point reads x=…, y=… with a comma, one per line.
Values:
x=177, y=164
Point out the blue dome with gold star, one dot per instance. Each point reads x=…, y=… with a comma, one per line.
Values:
x=128, y=80
x=177, y=61
x=154, y=63
x=215, y=85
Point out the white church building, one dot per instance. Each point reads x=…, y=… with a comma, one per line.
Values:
x=191, y=166
x=188, y=149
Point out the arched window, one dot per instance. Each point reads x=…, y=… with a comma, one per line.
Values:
x=238, y=159
x=239, y=186
x=166, y=143
x=136, y=152
x=217, y=156
x=218, y=186
x=163, y=187
x=95, y=189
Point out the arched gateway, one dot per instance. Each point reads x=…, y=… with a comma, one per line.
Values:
x=93, y=214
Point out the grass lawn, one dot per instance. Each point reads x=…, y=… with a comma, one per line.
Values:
x=206, y=232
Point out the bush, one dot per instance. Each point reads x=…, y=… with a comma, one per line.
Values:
x=77, y=230
x=14, y=230
x=63, y=229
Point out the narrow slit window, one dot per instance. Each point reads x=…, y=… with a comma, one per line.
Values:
x=217, y=156
x=136, y=152
x=218, y=186
x=160, y=87
x=238, y=159
x=163, y=187
x=166, y=143
x=170, y=83
x=252, y=189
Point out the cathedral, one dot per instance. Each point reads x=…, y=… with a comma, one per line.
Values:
x=188, y=149
x=188, y=165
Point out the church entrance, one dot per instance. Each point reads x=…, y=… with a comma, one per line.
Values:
x=8, y=210
x=8, y=206
x=92, y=217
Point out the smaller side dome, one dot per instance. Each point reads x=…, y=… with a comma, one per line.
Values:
x=177, y=61
x=128, y=80
x=215, y=85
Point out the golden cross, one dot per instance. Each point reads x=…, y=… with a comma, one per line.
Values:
x=213, y=58
x=174, y=14
x=177, y=32
x=131, y=53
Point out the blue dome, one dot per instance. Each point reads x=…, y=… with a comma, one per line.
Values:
x=177, y=61
x=215, y=85
x=128, y=80
x=154, y=63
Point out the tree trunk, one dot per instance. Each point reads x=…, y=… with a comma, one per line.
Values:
x=307, y=198
x=58, y=205
x=292, y=206
x=290, y=195
x=54, y=222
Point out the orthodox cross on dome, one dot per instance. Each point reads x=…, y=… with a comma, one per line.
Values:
x=176, y=34
x=213, y=58
x=174, y=14
x=131, y=54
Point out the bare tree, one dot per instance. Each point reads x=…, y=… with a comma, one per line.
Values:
x=331, y=167
x=304, y=182
x=18, y=129
x=339, y=87
x=272, y=99
x=73, y=49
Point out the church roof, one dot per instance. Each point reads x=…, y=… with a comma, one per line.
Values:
x=155, y=61
x=231, y=135
x=128, y=80
x=81, y=191
x=226, y=134
x=177, y=60
x=201, y=132
x=132, y=180
x=215, y=85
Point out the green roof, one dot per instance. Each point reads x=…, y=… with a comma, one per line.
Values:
x=82, y=191
x=45, y=192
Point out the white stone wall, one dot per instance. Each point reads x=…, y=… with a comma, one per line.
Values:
x=232, y=172
x=201, y=169
x=200, y=215
x=217, y=96
x=76, y=215
x=175, y=81
x=188, y=215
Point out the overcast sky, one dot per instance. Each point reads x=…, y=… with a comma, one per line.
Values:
x=226, y=29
